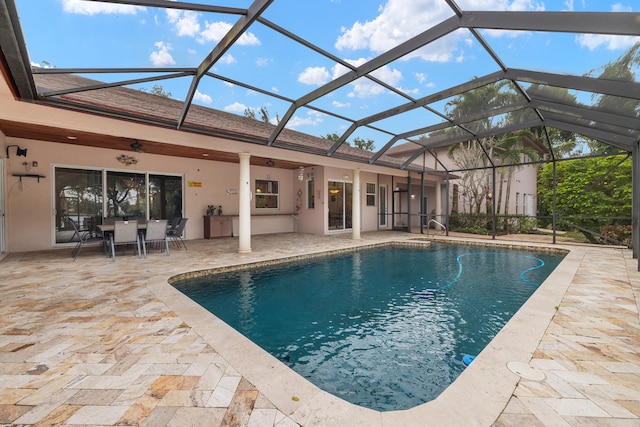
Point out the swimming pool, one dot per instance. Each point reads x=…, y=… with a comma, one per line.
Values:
x=384, y=328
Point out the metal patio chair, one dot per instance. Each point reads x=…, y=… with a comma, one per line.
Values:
x=84, y=236
x=124, y=233
x=176, y=233
x=156, y=234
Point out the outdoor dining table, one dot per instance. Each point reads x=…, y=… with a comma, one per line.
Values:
x=108, y=228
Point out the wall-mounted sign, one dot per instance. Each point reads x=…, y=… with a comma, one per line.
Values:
x=231, y=191
x=194, y=184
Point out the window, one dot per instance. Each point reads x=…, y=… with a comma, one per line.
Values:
x=311, y=188
x=266, y=194
x=371, y=194
x=81, y=197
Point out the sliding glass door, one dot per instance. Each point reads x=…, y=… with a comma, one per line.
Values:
x=340, y=200
x=78, y=198
x=126, y=195
x=88, y=196
x=165, y=197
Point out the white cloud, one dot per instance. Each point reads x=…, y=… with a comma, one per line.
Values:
x=236, y=107
x=338, y=104
x=610, y=42
x=509, y=5
x=594, y=41
x=362, y=87
x=162, y=57
x=391, y=76
x=313, y=118
x=227, y=59
x=44, y=65
x=398, y=21
x=314, y=76
x=82, y=7
x=338, y=69
x=620, y=8
x=214, y=31
x=262, y=62
x=201, y=97
x=185, y=22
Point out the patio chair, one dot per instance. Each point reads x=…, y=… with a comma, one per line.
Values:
x=173, y=223
x=156, y=234
x=83, y=236
x=175, y=234
x=124, y=233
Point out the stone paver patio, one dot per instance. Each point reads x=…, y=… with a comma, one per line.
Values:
x=97, y=343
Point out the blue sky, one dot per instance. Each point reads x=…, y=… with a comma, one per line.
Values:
x=77, y=34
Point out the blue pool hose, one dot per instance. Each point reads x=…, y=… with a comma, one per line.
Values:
x=429, y=293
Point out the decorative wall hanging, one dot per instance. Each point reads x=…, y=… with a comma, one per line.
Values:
x=126, y=160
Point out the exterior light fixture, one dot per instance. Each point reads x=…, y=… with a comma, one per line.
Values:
x=300, y=173
x=19, y=151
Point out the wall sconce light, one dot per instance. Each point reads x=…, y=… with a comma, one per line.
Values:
x=300, y=173
x=19, y=151
x=270, y=163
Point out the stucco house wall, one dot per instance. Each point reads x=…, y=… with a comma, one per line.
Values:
x=29, y=204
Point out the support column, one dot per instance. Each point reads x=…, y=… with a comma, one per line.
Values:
x=244, y=194
x=439, y=203
x=355, y=205
x=635, y=202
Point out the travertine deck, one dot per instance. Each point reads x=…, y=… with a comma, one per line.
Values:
x=93, y=342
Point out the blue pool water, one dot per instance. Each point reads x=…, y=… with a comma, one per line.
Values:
x=384, y=328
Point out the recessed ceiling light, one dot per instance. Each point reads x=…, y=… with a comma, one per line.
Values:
x=72, y=137
x=205, y=155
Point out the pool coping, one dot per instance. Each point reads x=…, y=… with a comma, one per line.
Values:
x=483, y=389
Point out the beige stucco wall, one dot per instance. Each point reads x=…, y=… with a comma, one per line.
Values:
x=30, y=211
x=524, y=182
x=29, y=207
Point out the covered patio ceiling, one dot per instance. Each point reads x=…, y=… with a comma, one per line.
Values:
x=448, y=38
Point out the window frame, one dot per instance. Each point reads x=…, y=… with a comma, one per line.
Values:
x=311, y=198
x=370, y=194
x=260, y=195
x=103, y=209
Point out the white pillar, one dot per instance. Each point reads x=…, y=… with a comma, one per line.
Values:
x=439, y=203
x=355, y=205
x=244, y=194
